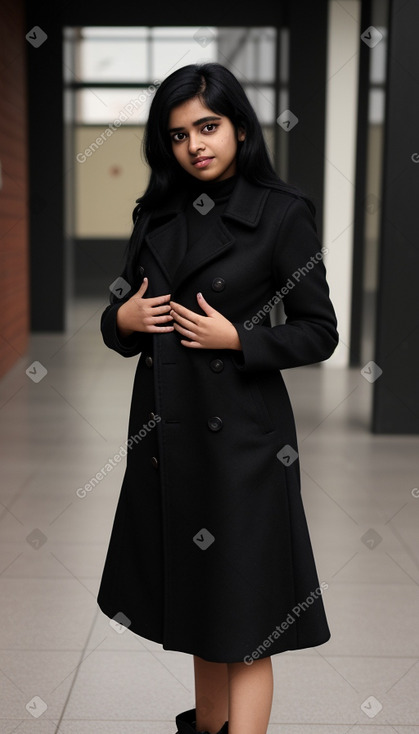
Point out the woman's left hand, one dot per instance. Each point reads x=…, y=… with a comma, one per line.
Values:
x=212, y=331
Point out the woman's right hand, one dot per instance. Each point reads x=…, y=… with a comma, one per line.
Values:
x=144, y=314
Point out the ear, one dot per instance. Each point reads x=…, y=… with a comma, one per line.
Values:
x=241, y=133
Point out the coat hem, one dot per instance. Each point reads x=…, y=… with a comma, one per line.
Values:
x=222, y=659
x=185, y=649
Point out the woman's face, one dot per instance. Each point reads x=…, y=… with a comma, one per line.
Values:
x=194, y=136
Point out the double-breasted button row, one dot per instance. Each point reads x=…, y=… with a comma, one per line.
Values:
x=215, y=423
x=149, y=361
x=218, y=284
x=154, y=459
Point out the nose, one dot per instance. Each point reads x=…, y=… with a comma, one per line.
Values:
x=195, y=142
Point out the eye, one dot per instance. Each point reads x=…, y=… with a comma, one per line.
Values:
x=212, y=125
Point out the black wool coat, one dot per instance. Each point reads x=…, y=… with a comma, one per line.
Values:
x=210, y=552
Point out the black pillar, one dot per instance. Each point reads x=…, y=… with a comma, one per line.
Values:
x=396, y=391
x=46, y=172
x=307, y=99
x=358, y=242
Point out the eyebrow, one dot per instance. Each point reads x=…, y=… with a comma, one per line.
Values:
x=197, y=122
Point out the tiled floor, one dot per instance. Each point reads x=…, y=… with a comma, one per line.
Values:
x=57, y=645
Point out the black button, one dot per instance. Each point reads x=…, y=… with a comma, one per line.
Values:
x=218, y=284
x=152, y=416
x=141, y=269
x=217, y=365
x=154, y=461
x=215, y=423
x=149, y=361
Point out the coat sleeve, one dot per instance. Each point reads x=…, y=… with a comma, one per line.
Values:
x=309, y=333
x=138, y=341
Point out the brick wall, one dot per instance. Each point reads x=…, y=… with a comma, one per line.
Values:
x=14, y=283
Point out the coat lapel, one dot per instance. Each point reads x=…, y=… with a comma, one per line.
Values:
x=214, y=243
x=168, y=242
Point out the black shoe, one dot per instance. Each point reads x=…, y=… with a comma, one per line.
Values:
x=186, y=722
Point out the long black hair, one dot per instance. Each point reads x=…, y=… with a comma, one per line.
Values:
x=220, y=91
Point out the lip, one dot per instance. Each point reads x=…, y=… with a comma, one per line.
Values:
x=202, y=161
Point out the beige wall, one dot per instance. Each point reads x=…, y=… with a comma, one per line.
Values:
x=108, y=182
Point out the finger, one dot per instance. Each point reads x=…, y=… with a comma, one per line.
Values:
x=156, y=300
x=183, y=311
x=149, y=319
x=194, y=345
x=157, y=310
x=209, y=310
x=142, y=289
x=159, y=319
x=186, y=332
x=158, y=329
x=187, y=323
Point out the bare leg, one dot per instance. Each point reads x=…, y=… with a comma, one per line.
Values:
x=211, y=695
x=235, y=692
x=250, y=696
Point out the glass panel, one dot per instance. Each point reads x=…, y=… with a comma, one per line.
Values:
x=110, y=106
x=284, y=51
x=123, y=54
x=112, y=32
x=376, y=106
x=186, y=32
x=110, y=60
x=378, y=55
x=262, y=99
x=170, y=54
x=249, y=52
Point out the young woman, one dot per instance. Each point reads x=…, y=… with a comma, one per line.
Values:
x=210, y=552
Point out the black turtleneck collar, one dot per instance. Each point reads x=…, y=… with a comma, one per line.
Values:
x=215, y=189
